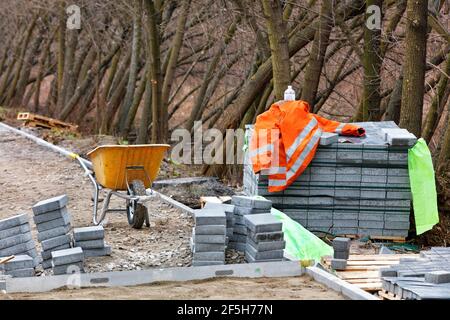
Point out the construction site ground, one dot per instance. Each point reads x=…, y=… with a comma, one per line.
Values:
x=30, y=173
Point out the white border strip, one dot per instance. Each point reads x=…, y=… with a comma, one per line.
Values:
x=346, y=289
x=134, y=278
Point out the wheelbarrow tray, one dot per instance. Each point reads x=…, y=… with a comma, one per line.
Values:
x=110, y=163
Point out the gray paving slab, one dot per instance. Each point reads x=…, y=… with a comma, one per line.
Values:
x=210, y=217
x=242, y=211
x=13, y=221
x=218, y=239
x=47, y=264
x=254, y=202
x=258, y=255
x=341, y=244
x=267, y=245
x=259, y=223
x=208, y=247
x=209, y=256
x=338, y=264
x=210, y=229
x=251, y=259
x=266, y=236
x=341, y=254
x=207, y=263
x=226, y=207
x=50, y=204
x=238, y=229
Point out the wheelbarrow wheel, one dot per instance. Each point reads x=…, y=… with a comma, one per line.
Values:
x=136, y=214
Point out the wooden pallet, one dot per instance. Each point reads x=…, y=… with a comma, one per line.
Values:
x=387, y=238
x=363, y=270
x=36, y=120
x=220, y=199
x=385, y=295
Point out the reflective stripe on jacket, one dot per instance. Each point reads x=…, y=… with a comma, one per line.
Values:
x=285, y=140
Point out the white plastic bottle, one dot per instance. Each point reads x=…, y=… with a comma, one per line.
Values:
x=289, y=94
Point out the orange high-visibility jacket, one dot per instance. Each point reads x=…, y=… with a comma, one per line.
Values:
x=285, y=140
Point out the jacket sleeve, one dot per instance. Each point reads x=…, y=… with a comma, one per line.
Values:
x=342, y=128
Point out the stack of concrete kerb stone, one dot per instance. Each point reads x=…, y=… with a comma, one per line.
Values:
x=264, y=238
x=53, y=224
x=92, y=241
x=341, y=247
x=68, y=261
x=20, y=266
x=16, y=238
x=243, y=206
x=229, y=212
x=208, y=241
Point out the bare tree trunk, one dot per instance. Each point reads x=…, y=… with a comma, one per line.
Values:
x=279, y=46
x=437, y=105
x=174, y=53
x=61, y=45
x=317, y=55
x=20, y=62
x=414, y=67
x=136, y=101
x=134, y=65
x=146, y=117
x=160, y=127
x=372, y=65
x=199, y=104
x=41, y=69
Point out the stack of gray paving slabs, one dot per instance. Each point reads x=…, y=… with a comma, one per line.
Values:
x=16, y=239
x=68, y=261
x=208, y=242
x=229, y=212
x=341, y=249
x=358, y=186
x=264, y=238
x=427, y=277
x=244, y=205
x=53, y=224
x=92, y=241
x=20, y=266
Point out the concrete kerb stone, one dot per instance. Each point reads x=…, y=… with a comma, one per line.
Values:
x=88, y=233
x=133, y=278
x=21, y=273
x=61, y=222
x=90, y=244
x=210, y=229
x=49, y=244
x=105, y=251
x=437, y=277
x=15, y=240
x=48, y=254
x=67, y=256
x=19, y=262
x=20, y=248
x=52, y=233
x=76, y=267
x=348, y=290
x=210, y=217
x=14, y=221
x=49, y=216
x=14, y=231
x=51, y=204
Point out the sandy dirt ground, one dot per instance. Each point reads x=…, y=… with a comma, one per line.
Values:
x=296, y=288
x=30, y=173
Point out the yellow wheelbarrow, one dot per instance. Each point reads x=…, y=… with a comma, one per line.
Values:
x=125, y=168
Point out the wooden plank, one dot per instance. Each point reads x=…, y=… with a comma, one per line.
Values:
x=375, y=286
x=389, y=238
x=359, y=275
x=35, y=120
x=388, y=295
x=5, y=260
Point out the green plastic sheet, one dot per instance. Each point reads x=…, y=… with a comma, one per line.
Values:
x=423, y=187
x=300, y=243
